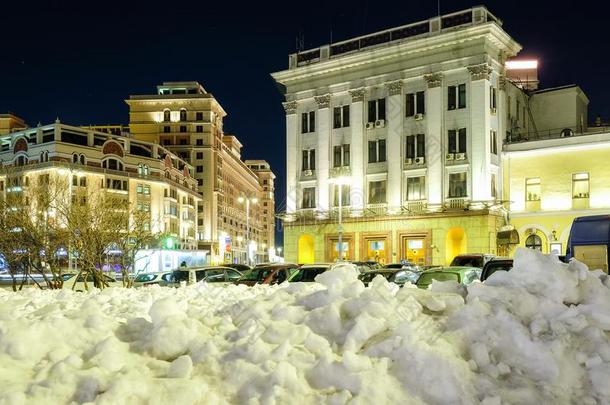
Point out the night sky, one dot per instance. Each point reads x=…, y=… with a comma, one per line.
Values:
x=79, y=61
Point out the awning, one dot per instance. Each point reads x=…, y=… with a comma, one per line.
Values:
x=508, y=237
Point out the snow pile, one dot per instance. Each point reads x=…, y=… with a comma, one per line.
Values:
x=539, y=333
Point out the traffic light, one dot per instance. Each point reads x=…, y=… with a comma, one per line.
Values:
x=169, y=243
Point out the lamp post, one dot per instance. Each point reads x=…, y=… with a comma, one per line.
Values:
x=340, y=182
x=248, y=200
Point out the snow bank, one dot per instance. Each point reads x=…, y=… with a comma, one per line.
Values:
x=539, y=333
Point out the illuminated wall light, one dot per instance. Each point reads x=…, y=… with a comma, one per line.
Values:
x=521, y=64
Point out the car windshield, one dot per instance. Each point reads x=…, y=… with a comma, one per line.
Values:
x=180, y=275
x=145, y=277
x=257, y=274
x=426, y=278
x=493, y=267
x=393, y=266
x=468, y=261
x=370, y=275
x=307, y=274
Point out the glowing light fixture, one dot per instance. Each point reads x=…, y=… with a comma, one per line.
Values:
x=522, y=64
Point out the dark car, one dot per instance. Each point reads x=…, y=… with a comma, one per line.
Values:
x=308, y=272
x=471, y=260
x=271, y=274
x=398, y=276
x=496, y=265
x=242, y=268
x=209, y=274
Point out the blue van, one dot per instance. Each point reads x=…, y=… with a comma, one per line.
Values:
x=589, y=241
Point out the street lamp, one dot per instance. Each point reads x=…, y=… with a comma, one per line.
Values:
x=340, y=181
x=247, y=200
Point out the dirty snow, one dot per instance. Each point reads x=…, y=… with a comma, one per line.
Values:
x=537, y=334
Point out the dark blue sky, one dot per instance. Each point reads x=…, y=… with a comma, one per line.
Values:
x=80, y=60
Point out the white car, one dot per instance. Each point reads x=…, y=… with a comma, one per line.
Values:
x=154, y=278
x=73, y=281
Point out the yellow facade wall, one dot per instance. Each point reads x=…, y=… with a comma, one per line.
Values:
x=551, y=218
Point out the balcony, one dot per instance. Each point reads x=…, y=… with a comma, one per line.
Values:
x=343, y=171
x=308, y=175
x=456, y=204
x=416, y=207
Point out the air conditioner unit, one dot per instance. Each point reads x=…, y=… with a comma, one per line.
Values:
x=460, y=156
x=494, y=110
x=409, y=161
x=379, y=123
x=449, y=156
x=419, y=117
x=308, y=173
x=370, y=125
x=419, y=160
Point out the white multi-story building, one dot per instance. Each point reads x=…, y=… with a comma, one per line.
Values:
x=413, y=119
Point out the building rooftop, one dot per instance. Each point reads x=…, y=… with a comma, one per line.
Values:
x=421, y=29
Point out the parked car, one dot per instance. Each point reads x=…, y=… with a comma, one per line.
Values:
x=209, y=274
x=394, y=275
x=153, y=278
x=76, y=282
x=308, y=272
x=242, y=268
x=497, y=264
x=270, y=274
x=463, y=275
x=364, y=266
x=402, y=265
x=472, y=260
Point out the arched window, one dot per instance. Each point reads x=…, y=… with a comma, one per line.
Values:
x=146, y=171
x=166, y=115
x=112, y=164
x=44, y=156
x=183, y=114
x=21, y=160
x=82, y=160
x=533, y=242
x=75, y=158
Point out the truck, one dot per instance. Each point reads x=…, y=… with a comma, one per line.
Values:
x=589, y=241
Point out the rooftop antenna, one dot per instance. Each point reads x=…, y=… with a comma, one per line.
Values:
x=300, y=43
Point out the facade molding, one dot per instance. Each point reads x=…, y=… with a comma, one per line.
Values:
x=434, y=80
x=394, y=87
x=357, y=94
x=323, y=101
x=290, y=107
x=480, y=72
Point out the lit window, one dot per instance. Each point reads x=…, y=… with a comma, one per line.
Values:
x=533, y=242
x=309, y=197
x=416, y=188
x=532, y=189
x=580, y=185
x=345, y=192
x=166, y=116
x=377, y=191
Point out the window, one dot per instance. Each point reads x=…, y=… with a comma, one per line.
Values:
x=167, y=129
x=377, y=192
x=493, y=142
x=199, y=128
x=416, y=146
x=457, y=185
x=341, y=155
x=75, y=180
x=116, y=184
x=139, y=189
x=309, y=159
x=377, y=151
x=415, y=103
x=416, y=188
x=457, y=141
x=308, y=122
x=345, y=192
x=309, y=197
x=82, y=182
x=166, y=116
x=456, y=97
x=146, y=190
x=182, y=129
x=532, y=189
x=580, y=185
x=376, y=110
x=199, y=116
x=112, y=164
x=341, y=117
x=492, y=98
x=21, y=161
x=182, y=114
x=199, y=142
x=533, y=242
x=199, y=155
x=494, y=191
